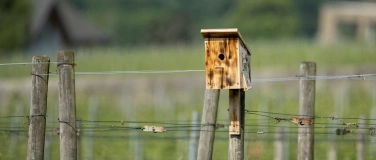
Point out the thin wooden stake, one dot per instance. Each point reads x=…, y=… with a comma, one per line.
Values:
x=135, y=143
x=38, y=108
x=209, y=118
x=286, y=145
x=48, y=147
x=332, y=147
x=14, y=140
x=67, y=105
x=372, y=141
x=93, y=114
x=279, y=153
x=236, y=111
x=192, y=153
x=79, y=140
x=307, y=108
x=361, y=143
x=340, y=104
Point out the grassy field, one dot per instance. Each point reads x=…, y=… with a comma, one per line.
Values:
x=265, y=54
x=172, y=98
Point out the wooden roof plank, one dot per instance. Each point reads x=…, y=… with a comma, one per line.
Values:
x=224, y=33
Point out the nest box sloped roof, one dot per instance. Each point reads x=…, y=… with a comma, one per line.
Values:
x=224, y=33
x=75, y=29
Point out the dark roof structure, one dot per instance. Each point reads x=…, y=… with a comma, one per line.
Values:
x=74, y=28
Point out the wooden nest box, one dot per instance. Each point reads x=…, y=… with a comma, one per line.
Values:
x=227, y=59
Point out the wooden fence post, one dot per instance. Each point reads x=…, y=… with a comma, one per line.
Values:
x=236, y=111
x=209, y=118
x=67, y=105
x=38, y=107
x=307, y=108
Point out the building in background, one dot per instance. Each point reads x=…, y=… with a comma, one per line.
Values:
x=347, y=20
x=56, y=26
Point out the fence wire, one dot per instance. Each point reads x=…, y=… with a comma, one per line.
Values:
x=291, y=78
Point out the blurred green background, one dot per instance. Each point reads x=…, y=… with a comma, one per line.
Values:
x=171, y=21
x=165, y=35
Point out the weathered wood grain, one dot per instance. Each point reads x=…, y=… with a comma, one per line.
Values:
x=307, y=108
x=236, y=142
x=67, y=105
x=227, y=59
x=209, y=118
x=38, y=107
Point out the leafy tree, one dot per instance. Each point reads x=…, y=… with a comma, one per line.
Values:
x=155, y=22
x=308, y=16
x=265, y=18
x=14, y=20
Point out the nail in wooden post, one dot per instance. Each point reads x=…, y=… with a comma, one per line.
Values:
x=67, y=105
x=209, y=118
x=236, y=111
x=38, y=107
x=307, y=107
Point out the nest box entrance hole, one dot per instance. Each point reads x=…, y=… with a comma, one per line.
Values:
x=221, y=56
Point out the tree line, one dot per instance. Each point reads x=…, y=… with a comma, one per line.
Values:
x=133, y=22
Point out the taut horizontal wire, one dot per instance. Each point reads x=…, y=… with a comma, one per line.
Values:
x=12, y=116
x=275, y=113
x=26, y=63
x=129, y=72
x=351, y=77
x=357, y=76
x=220, y=138
x=121, y=121
x=298, y=115
x=157, y=137
x=137, y=72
